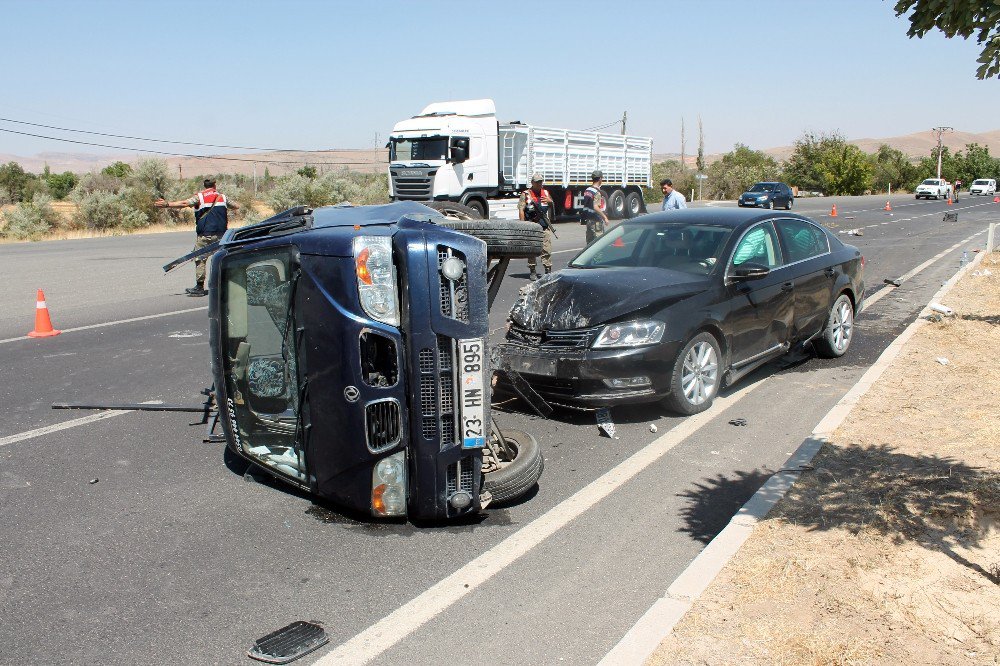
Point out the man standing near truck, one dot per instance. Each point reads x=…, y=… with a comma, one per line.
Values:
x=593, y=208
x=672, y=199
x=211, y=214
x=535, y=205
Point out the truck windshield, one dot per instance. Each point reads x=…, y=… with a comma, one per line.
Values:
x=260, y=361
x=429, y=148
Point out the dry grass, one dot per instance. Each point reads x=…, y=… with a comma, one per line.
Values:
x=889, y=552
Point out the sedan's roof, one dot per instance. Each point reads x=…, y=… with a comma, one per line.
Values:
x=726, y=217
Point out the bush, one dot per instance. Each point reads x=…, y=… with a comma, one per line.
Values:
x=30, y=220
x=152, y=174
x=117, y=170
x=97, y=182
x=60, y=184
x=107, y=210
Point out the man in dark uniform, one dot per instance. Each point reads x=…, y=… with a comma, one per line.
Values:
x=211, y=214
x=535, y=205
x=593, y=208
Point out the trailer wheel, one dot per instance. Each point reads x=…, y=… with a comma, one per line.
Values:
x=455, y=210
x=616, y=205
x=504, y=238
x=633, y=204
x=519, y=475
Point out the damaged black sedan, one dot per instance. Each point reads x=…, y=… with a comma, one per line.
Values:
x=677, y=305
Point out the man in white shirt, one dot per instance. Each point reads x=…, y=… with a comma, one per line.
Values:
x=672, y=199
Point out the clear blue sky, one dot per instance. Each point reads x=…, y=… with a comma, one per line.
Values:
x=315, y=75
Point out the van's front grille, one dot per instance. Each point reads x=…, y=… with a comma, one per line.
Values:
x=454, y=293
x=382, y=424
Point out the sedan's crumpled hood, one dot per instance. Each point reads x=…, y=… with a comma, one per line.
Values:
x=579, y=298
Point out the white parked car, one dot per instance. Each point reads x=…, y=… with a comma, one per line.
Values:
x=937, y=188
x=985, y=186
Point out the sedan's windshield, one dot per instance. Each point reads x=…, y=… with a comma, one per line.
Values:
x=430, y=148
x=931, y=181
x=688, y=248
x=762, y=187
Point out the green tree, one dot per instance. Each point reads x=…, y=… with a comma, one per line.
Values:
x=153, y=175
x=829, y=164
x=963, y=18
x=976, y=163
x=307, y=171
x=927, y=167
x=117, y=170
x=60, y=184
x=893, y=167
x=13, y=182
x=737, y=170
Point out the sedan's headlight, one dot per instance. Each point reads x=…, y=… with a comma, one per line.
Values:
x=630, y=334
x=376, y=278
x=762, y=197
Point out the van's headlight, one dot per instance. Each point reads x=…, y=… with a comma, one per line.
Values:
x=389, y=486
x=630, y=334
x=376, y=278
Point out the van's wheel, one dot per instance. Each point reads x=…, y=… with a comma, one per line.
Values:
x=516, y=477
x=616, y=205
x=839, y=330
x=504, y=238
x=455, y=210
x=696, y=375
x=633, y=204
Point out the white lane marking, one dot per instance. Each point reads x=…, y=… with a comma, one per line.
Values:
x=878, y=295
x=115, y=323
x=65, y=425
x=572, y=249
x=409, y=617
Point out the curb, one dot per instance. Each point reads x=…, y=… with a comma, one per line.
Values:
x=659, y=621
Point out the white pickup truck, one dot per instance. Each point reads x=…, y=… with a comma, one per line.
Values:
x=937, y=188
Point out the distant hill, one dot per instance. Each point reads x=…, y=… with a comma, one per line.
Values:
x=373, y=161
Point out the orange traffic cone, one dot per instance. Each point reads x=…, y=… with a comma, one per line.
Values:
x=949, y=201
x=833, y=211
x=43, y=325
x=996, y=199
x=888, y=206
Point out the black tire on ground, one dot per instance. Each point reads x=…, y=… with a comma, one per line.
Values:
x=788, y=206
x=478, y=206
x=504, y=238
x=838, y=331
x=768, y=204
x=521, y=474
x=702, y=346
x=616, y=205
x=633, y=204
x=455, y=210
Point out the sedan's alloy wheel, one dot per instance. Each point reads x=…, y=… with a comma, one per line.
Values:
x=700, y=373
x=843, y=326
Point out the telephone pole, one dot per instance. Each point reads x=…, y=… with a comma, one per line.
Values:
x=940, y=131
x=624, y=120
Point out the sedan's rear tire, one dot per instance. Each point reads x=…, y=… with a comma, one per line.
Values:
x=696, y=375
x=838, y=332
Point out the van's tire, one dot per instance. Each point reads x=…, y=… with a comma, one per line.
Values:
x=521, y=474
x=455, y=210
x=616, y=205
x=504, y=238
x=633, y=205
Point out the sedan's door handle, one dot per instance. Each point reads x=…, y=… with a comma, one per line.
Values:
x=788, y=286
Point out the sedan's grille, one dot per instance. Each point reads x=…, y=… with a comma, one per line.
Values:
x=382, y=424
x=576, y=339
x=454, y=293
x=437, y=392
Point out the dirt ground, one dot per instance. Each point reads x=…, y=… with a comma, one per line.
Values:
x=888, y=551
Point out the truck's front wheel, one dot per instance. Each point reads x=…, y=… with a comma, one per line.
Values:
x=456, y=210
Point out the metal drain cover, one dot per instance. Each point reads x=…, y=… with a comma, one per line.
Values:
x=289, y=643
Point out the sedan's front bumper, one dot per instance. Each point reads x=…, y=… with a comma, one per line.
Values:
x=577, y=377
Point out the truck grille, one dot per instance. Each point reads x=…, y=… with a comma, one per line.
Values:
x=382, y=424
x=575, y=339
x=437, y=392
x=412, y=187
x=454, y=294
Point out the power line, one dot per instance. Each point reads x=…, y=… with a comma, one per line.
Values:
x=597, y=127
x=182, y=143
x=202, y=157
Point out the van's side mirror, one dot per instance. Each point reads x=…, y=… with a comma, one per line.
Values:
x=458, y=154
x=747, y=272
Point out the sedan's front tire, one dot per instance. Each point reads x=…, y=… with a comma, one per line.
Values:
x=696, y=375
x=839, y=330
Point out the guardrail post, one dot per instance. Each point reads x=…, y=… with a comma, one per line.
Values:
x=991, y=236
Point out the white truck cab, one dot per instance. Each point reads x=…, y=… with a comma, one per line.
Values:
x=458, y=151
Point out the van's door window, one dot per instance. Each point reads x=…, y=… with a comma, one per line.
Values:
x=261, y=364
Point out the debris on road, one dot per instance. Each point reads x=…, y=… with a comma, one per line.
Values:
x=652, y=427
x=93, y=481
x=943, y=309
x=289, y=643
x=942, y=360
x=737, y=422
x=895, y=282
x=856, y=232
x=604, y=423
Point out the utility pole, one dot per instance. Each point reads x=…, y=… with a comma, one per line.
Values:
x=683, y=143
x=624, y=120
x=254, y=180
x=940, y=131
x=180, y=173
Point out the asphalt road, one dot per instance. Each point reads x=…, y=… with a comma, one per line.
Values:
x=172, y=556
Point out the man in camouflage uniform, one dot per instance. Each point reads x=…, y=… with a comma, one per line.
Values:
x=535, y=205
x=593, y=208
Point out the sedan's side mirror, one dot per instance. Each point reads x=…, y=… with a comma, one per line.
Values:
x=747, y=272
